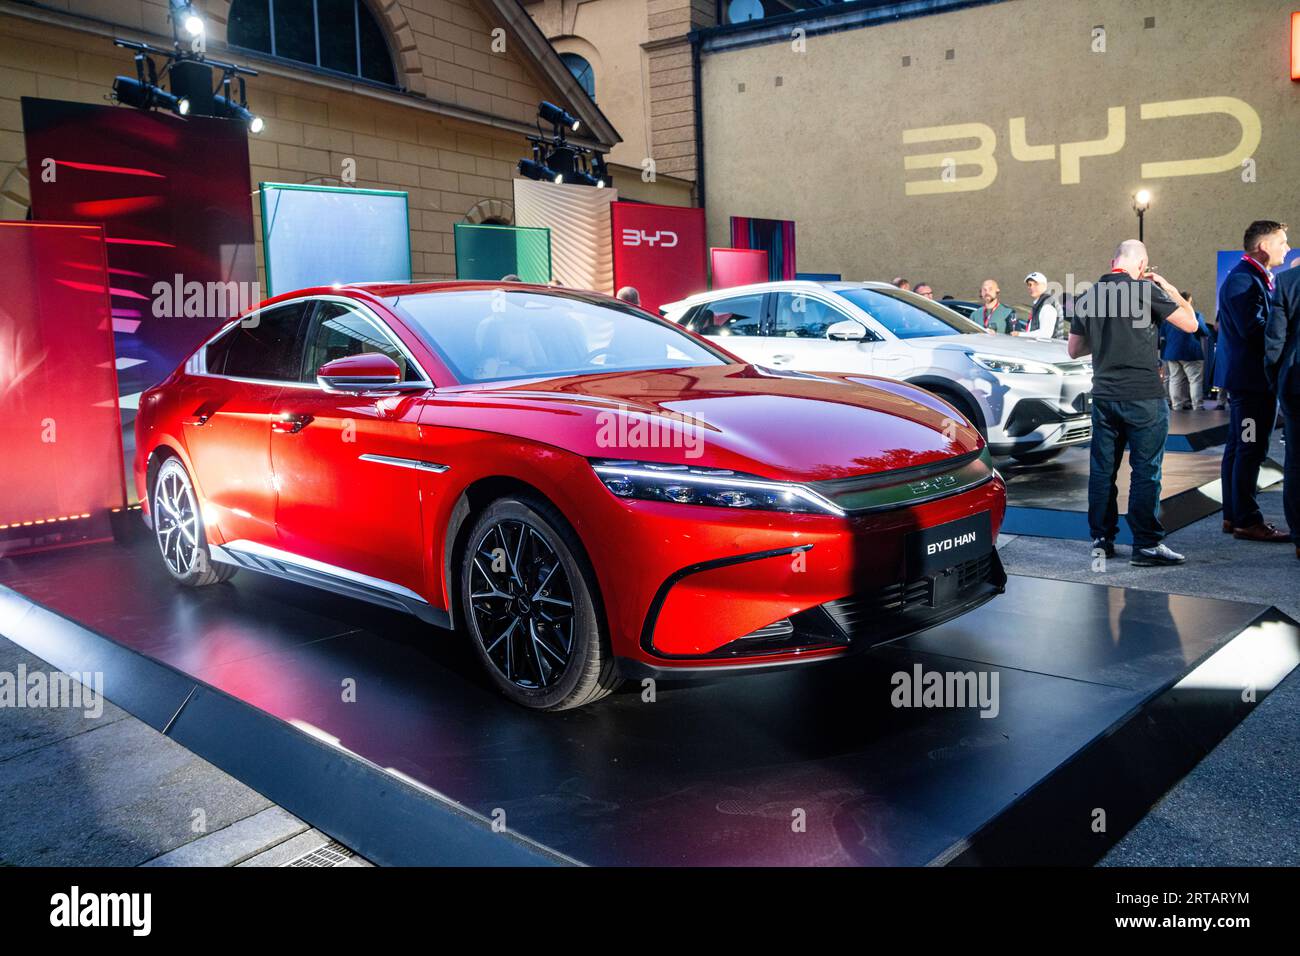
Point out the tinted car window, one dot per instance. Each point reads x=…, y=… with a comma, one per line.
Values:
x=495, y=334
x=801, y=316
x=338, y=330
x=909, y=316
x=742, y=315
x=265, y=346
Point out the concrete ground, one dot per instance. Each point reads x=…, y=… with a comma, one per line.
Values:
x=1241, y=805
x=108, y=790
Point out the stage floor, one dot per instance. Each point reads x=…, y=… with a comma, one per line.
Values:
x=716, y=773
x=1196, y=430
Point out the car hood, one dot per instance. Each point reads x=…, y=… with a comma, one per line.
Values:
x=778, y=424
x=1052, y=351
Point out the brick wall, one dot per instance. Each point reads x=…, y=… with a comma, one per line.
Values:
x=672, y=88
x=313, y=123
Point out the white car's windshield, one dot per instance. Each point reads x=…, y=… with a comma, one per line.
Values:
x=909, y=316
x=493, y=334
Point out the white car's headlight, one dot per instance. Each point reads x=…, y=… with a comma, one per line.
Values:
x=1002, y=365
x=687, y=485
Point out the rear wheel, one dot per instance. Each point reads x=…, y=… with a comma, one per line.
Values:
x=178, y=526
x=529, y=599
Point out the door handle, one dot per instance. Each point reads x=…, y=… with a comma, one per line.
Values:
x=290, y=424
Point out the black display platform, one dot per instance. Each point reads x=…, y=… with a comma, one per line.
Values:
x=1051, y=500
x=1106, y=698
x=1196, y=430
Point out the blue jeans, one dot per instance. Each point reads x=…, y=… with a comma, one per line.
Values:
x=1140, y=426
x=1242, y=459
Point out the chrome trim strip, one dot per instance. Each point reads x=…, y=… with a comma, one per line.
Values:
x=416, y=463
x=293, y=567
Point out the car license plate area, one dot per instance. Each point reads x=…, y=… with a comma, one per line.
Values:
x=936, y=552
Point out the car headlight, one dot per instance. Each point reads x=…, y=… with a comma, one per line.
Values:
x=1002, y=365
x=716, y=487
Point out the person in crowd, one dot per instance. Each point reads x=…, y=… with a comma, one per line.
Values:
x=1252, y=402
x=511, y=277
x=1045, y=321
x=1209, y=346
x=1117, y=321
x=924, y=290
x=1185, y=363
x=629, y=294
x=1282, y=365
x=901, y=283
x=995, y=316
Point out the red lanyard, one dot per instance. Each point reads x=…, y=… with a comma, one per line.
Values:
x=1262, y=271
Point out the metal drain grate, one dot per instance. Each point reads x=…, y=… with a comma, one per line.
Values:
x=331, y=854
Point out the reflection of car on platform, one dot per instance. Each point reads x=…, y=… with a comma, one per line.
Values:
x=1027, y=396
x=587, y=490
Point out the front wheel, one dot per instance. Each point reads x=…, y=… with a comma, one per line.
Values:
x=528, y=595
x=178, y=526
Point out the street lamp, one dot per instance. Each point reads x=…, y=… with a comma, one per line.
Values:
x=1141, y=203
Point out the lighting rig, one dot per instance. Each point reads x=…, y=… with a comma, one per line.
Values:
x=188, y=70
x=557, y=160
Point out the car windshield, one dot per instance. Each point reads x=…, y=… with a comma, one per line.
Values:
x=909, y=316
x=490, y=335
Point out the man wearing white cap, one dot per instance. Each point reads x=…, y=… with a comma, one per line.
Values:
x=1043, y=314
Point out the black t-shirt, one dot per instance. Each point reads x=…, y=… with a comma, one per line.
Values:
x=1120, y=317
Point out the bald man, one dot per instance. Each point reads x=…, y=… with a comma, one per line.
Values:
x=1117, y=321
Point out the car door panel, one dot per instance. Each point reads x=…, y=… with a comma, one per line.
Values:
x=347, y=464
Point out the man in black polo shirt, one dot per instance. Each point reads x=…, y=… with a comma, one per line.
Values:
x=1117, y=320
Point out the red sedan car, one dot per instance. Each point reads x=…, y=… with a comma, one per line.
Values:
x=589, y=491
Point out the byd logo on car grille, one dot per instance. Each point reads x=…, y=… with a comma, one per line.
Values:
x=947, y=544
x=663, y=238
x=929, y=485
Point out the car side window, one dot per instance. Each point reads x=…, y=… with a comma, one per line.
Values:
x=263, y=346
x=338, y=330
x=741, y=315
x=803, y=317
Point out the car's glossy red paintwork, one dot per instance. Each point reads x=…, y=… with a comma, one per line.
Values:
x=309, y=492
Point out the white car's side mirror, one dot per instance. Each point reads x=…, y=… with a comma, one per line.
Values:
x=846, y=330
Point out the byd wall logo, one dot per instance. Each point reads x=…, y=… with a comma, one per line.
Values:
x=660, y=238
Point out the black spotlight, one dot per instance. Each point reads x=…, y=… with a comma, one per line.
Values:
x=600, y=170
x=536, y=170
x=582, y=178
x=146, y=96
x=224, y=107
x=557, y=116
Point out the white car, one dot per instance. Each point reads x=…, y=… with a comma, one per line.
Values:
x=1028, y=397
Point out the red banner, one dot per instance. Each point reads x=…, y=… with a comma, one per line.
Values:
x=659, y=250
x=733, y=267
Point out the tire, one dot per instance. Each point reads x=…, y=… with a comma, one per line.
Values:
x=1038, y=457
x=525, y=586
x=178, y=529
x=963, y=405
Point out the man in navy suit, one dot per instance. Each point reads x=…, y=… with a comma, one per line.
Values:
x=1282, y=358
x=1244, y=300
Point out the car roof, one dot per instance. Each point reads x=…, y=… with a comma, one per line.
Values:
x=784, y=285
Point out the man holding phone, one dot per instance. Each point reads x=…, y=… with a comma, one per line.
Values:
x=1117, y=321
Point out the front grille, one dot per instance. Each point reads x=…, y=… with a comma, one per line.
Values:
x=858, y=615
x=1077, y=432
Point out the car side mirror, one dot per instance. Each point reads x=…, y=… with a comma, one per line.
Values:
x=846, y=330
x=359, y=373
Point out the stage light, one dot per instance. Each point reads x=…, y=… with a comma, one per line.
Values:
x=1142, y=199
x=224, y=107
x=557, y=116
x=146, y=96
x=586, y=179
x=185, y=17
x=536, y=170
x=193, y=25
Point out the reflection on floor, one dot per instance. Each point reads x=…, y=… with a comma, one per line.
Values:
x=812, y=766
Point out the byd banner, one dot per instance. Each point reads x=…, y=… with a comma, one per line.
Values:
x=660, y=250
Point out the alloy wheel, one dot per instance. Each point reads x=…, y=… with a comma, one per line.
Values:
x=176, y=521
x=522, y=602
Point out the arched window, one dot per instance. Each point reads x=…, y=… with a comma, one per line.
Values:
x=582, y=72
x=338, y=35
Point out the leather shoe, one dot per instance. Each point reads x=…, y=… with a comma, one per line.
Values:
x=1228, y=527
x=1262, y=532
